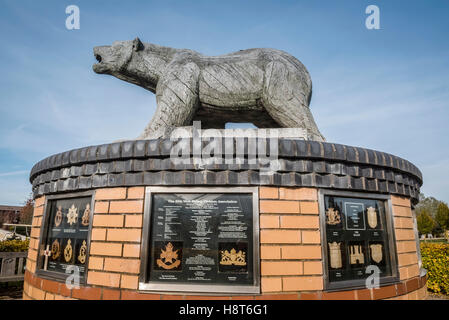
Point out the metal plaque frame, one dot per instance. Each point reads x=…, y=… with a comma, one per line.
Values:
x=204, y=289
x=53, y=275
x=389, y=229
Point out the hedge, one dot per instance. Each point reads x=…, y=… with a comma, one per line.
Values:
x=14, y=245
x=435, y=258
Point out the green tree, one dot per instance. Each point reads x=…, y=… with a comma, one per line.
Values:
x=425, y=222
x=442, y=216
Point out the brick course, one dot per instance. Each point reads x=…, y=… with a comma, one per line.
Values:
x=290, y=241
x=41, y=289
x=116, y=234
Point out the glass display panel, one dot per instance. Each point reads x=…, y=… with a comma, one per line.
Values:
x=65, y=240
x=356, y=237
x=201, y=238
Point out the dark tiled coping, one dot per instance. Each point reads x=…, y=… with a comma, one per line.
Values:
x=302, y=163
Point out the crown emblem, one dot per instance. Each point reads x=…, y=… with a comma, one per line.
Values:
x=85, y=217
x=168, y=258
x=72, y=216
x=233, y=258
x=332, y=216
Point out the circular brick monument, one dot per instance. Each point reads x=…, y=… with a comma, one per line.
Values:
x=125, y=221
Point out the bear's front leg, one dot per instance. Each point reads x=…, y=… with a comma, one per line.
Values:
x=177, y=100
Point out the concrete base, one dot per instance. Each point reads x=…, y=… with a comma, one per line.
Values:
x=188, y=132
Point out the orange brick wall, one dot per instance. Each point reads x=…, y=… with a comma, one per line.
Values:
x=290, y=251
x=290, y=246
x=35, y=233
x=405, y=238
x=114, y=260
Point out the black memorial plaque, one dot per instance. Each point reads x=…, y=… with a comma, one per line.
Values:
x=355, y=219
x=67, y=234
x=201, y=238
x=356, y=237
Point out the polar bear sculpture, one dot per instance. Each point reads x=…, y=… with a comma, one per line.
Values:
x=267, y=87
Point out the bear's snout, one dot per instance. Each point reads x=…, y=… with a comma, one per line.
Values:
x=101, y=54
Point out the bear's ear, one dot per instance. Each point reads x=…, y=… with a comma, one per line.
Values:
x=137, y=44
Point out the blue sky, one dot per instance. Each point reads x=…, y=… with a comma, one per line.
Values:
x=384, y=89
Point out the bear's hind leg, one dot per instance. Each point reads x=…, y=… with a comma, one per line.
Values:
x=285, y=99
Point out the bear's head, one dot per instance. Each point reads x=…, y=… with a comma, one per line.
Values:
x=114, y=59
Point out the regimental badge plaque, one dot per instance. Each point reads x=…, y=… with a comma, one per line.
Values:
x=371, y=214
x=168, y=255
x=333, y=217
x=376, y=252
x=356, y=238
x=66, y=235
x=202, y=240
x=233, y=257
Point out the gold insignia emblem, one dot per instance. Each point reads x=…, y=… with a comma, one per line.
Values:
x=376, y=252
x=335, y=255
x=233, y=258
x=83, y=250
x=168, y=258
x=85, y=218
x=68, y=251
x=58, y=217
x=332, y=216
x=356, y=254
x=372, y=217
x=72, y=216
x=55, y=250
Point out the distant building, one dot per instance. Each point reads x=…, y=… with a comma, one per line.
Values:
x=9, y=214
